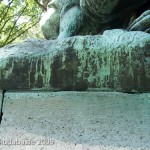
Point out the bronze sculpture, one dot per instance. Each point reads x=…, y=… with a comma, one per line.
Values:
x=84, y=17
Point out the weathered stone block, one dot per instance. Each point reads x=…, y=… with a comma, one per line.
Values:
x=117, y=60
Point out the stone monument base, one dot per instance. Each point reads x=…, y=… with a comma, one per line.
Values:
x=117, y=60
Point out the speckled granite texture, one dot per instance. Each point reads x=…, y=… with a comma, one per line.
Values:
x=76, y=121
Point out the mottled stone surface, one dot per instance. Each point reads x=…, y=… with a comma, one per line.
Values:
x=117, y=60
x=76, y=121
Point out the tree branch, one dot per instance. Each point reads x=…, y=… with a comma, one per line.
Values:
x=9, y=18
x=40, y=5
x=5, y=14
x=14, y=25
x=22, y=26
x=20, y=34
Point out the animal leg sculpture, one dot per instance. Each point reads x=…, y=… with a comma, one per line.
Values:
x=142, y=23
x=71, y=22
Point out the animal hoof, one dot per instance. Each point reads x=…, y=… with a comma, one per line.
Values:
x=142, y=23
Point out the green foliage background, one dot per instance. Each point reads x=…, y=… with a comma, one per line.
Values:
x=17, y=19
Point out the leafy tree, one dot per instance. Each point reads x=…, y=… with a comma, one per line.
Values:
x=16, y=18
